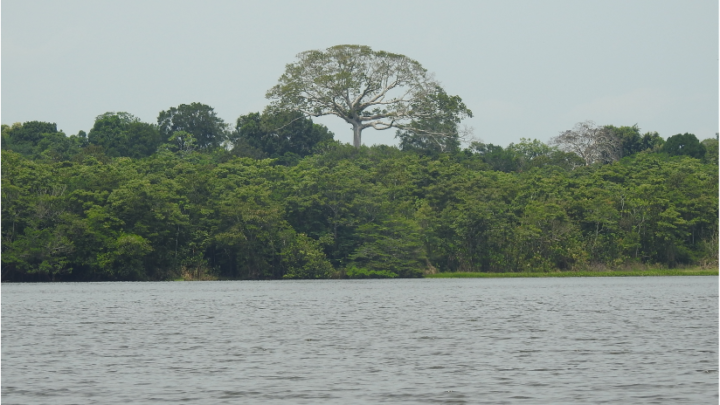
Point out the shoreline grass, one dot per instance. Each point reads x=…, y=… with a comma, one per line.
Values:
x=604, y=273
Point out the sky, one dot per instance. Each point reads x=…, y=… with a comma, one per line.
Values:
x=526, y=68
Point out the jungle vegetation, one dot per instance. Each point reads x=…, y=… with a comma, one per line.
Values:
x=274, y=196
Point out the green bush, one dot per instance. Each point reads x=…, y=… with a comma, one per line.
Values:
x=354, y=272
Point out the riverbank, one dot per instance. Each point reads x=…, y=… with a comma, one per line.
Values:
x=606, y=273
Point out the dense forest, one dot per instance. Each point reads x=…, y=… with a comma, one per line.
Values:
x=274, y=196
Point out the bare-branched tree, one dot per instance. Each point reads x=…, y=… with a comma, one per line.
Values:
x=367, y=89
x=592, y=143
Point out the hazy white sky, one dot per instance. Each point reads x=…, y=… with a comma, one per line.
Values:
x=526, y=68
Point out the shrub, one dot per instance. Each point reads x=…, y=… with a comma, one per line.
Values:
x=355, y=272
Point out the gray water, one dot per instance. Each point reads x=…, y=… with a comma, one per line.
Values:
x=497, y=341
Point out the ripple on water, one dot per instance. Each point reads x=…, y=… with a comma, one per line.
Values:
x=615, y=341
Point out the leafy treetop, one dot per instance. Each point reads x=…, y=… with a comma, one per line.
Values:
x=367, y=89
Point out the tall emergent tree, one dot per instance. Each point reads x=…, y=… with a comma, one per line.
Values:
x=367, y=89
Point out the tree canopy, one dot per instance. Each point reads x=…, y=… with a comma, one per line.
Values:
x=367, y=89
x=122, y=134
x=277, y=134
x=343, y=211
x=594, y=144
x=281, y=199
x=197, y=119
x=41, y=140
x=684, y=144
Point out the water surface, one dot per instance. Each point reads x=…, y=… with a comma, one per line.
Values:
x=638, y=340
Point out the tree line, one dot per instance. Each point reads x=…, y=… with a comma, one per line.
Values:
x=275, y=196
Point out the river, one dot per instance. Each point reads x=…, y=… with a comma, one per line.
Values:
x=639, y=340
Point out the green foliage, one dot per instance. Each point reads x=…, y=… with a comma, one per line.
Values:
x=711, y=150
x=142, y=140
x=394, y=245
x=496, y=157
x=24, y=138
x=651, y=141
x=125, y=258
x=367, y=89
x=181, y=142
x=436, y=130
x=660, y=272
x=684, y=145
x=354, y=272
x=523, y=156
x=546, y=238
x=304, y=258
x=533, y=153
x=197, y=119
x=122, y=134
x=41, y=140
x=633, y=142
x=88, y=213
x=281, y=134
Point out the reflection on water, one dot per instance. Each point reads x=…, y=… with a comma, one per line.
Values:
x=589, y=340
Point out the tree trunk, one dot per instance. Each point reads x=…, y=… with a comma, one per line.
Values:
x=357, y=129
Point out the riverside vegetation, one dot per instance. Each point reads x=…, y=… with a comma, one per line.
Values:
x=276, y=197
